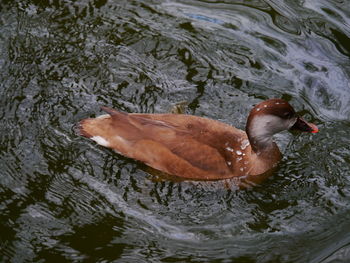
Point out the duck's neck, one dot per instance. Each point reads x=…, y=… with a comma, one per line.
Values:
x=260, y=131
x=265, y=152
x=261, y=143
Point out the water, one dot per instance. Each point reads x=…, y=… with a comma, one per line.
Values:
x=65, y=199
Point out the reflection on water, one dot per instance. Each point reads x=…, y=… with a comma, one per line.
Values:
x=64, y=198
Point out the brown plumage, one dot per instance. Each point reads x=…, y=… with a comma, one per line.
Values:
x=192, y=147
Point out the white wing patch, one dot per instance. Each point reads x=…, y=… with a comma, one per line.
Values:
x=104, y=116
x=100, y=140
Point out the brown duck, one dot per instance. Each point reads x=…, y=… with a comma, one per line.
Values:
x=197, y=148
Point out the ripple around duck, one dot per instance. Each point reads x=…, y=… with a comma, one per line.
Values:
x=64, y=198
x=288, y=60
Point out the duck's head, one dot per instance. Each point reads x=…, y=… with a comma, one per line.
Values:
x=270, y=117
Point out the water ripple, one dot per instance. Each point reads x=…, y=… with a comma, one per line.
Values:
x=64, y=198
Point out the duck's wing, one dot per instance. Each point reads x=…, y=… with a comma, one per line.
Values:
x=182, y=145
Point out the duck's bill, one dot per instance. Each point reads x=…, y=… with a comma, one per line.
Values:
x=304, y=126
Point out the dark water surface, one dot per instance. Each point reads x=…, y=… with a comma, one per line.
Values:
x=65, y=199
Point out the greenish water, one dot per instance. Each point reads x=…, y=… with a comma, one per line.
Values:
x=65, y=199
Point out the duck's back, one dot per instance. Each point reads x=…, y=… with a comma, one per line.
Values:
x=182, y=145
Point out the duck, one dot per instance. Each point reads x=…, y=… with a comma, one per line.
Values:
x=198, y=148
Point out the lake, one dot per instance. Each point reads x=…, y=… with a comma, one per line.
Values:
x=65, y=199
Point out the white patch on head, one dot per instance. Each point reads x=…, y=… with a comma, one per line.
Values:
x=263, y=127
x=100, y=140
